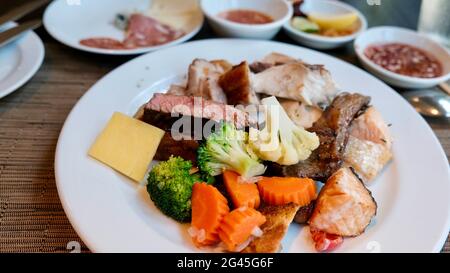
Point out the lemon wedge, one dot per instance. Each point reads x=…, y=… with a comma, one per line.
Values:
x=337, y=22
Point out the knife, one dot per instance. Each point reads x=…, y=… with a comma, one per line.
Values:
x=21, y=11
x=11, y=34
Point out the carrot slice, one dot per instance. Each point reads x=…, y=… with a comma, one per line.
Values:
x=209, y=207
x=238, y=226
x=284, y=190
x=241, y=194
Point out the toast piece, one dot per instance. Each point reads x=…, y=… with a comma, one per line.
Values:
x=278, y=219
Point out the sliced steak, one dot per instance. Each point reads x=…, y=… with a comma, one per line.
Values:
x=333, y=131
x=163, y=109
x=168, y=146
x=236, y=84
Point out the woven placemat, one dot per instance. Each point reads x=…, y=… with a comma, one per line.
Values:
x=31, y=216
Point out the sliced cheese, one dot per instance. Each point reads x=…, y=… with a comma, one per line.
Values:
x=173, y=6
x=127, y=145
x=179, y=14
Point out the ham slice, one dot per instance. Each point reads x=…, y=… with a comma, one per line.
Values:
x=142, y=31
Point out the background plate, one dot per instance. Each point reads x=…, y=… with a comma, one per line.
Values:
x=19, y=60
x=69, y=22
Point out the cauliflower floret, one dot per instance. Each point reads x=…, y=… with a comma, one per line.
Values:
x=281, y=141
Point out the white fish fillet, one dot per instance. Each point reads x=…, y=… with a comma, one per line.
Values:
x=309, y=84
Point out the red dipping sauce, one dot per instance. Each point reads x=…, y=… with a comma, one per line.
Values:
x=405, y=60
x=244, y=16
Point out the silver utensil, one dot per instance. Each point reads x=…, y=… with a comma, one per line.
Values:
x=431, y=102
x=11, y=34
x=22, y=10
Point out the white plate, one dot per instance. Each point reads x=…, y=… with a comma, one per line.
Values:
x=19, y=60
x=113, y=214
x=70, y=21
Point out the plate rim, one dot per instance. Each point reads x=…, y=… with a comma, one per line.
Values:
x=117, y=52
x=437, y=245
x=32, y=38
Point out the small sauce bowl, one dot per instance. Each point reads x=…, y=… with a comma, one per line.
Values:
x=387, y=35
x=280, y=10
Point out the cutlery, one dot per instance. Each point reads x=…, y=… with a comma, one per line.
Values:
x=21, y=11
x=11, y=34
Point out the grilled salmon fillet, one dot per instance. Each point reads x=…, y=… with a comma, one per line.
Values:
x=369, y=145
x=344, y=207
x=278, y=219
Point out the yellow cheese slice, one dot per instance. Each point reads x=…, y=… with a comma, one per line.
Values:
x=173, y=6
x=127, y=145
x=179, y=14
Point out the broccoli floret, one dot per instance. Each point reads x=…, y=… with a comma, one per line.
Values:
x=281, y=141
x=226, y=149
x=170, y=187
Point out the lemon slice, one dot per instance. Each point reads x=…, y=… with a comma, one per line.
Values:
x=337, y=22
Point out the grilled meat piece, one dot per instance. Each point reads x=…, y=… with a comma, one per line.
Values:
x=177, y=90
x=304, y=213
x=301, y=114
x=168, y=146
x=369, y=145
x=270, y=60
x=333, y=131
x=163, y=109
x=186, y=110
x=311, y=85
x=236, y=84
x=278, y=219
x=344, y=206
x=203, y=79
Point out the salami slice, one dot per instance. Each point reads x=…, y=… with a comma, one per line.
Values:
x=145, y=31
x=142, y=31
x=105, y=43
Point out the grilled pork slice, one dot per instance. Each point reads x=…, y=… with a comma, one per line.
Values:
x=344, y=207
x=301, y=114
x=278, y=219
x=236, y=83
x=298, y=81
x=177, y=90
x=332, y=129
x=369, y=145
x=163, y=109
x=270, y=60
x=203, y=79
x=184, y=148
x=275, y=58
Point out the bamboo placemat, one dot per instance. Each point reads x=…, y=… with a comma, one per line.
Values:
x=31, y=216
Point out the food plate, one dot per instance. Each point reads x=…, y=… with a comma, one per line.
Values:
x=113, y=214
x=71, y=21
x=19, y=61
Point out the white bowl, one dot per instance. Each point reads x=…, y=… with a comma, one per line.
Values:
x=280, y=10
x=323, y=42
x=381, y=35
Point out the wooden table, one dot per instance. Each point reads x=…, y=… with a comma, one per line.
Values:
x=31, y=216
